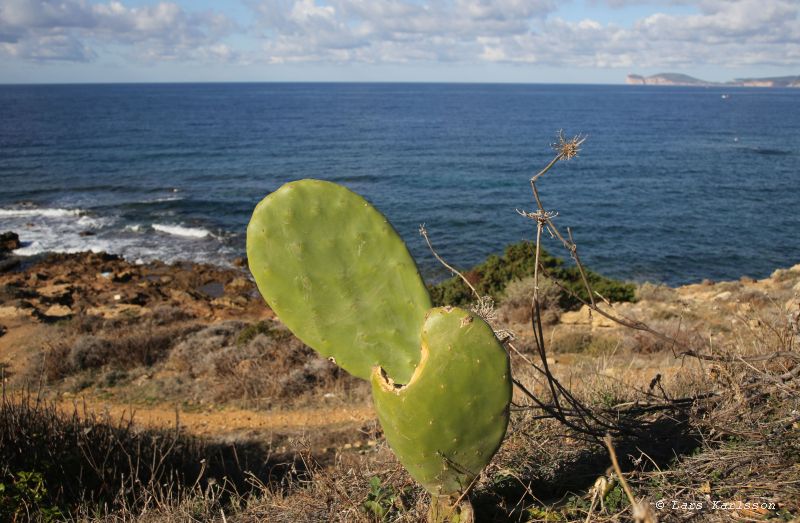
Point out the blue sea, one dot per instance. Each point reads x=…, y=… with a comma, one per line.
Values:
x=673, y=184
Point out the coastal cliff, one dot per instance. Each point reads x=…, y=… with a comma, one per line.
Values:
x=686, y=80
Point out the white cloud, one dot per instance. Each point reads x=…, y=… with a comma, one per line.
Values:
x=399, y=31
x=49, y=47
x=71, y=29
x=715, y=32
x=720, y=32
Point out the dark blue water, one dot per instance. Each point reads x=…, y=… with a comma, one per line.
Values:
x=673, y=184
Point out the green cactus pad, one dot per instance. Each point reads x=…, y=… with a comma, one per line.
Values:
x=337, y=274
x=449, y=420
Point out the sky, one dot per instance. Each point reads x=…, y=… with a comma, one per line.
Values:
x=525, y=41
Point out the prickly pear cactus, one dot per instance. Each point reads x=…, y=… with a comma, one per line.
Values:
x=337, y=274
x=447, y=422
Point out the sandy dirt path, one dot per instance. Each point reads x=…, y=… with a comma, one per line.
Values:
x=226, y=421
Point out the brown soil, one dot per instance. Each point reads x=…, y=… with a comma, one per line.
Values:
x=227, y=420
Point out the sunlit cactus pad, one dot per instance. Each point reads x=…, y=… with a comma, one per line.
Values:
x=338, y=275
x=447, y=422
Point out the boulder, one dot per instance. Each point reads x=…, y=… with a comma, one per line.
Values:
x=585, y=316
x=9, y=312
x=122, y=276
x=579, y=317
x=58, y=293
x=58, y=311
x=9, y=241
x=8, y=264
x=121, y=310
x=239, y=285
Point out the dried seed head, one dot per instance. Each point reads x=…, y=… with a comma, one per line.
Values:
x=568, y=148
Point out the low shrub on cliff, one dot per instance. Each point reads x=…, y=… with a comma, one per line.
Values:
x=256, y=363
x=493, y=275
x=121, y=348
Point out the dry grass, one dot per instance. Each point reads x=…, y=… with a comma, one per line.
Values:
x=737, y=440
x=55, y=464
x=258, y=365
x=719, y=423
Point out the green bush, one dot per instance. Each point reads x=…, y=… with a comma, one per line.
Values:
x=493, y=275
x=24, y=494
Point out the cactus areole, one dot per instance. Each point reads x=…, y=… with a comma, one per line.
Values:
x=338, y=275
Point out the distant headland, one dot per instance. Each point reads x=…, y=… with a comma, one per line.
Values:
x=684, y=79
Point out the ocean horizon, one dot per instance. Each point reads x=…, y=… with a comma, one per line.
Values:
x=673, y=185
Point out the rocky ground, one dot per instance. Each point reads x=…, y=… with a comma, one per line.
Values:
x=117, y=336
x=196, y=344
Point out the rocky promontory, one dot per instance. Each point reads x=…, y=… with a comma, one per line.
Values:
x=686, y=80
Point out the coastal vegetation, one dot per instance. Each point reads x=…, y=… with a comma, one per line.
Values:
x=231, y=450
x=154, y=392
x=494, y=276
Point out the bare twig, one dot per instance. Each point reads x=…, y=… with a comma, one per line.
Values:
x=424, y=233
x=640, y=510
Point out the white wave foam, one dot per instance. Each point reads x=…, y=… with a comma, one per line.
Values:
x=180, y=230
x=38, y=247
x=47, y=213
x=96, y=222
x=162, y=199
x=167, y=199
x=64, y=230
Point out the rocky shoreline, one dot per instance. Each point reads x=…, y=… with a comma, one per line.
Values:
x=194, y=352
x=61, y=286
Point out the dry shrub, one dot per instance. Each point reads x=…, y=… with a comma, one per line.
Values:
x=159, y=316
x=236, y=361
x=570, y=339
x=123, y=347
x=54, y=363
x=641, y=342
x=89, y=352
x=366, y=487
x=357, y=488
x=782, y=275
x=105, y=465
x=516, y=304
x=166, y=314
x=749, y=426
x=729, y=286
x=656, y=292
x=755, y=298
